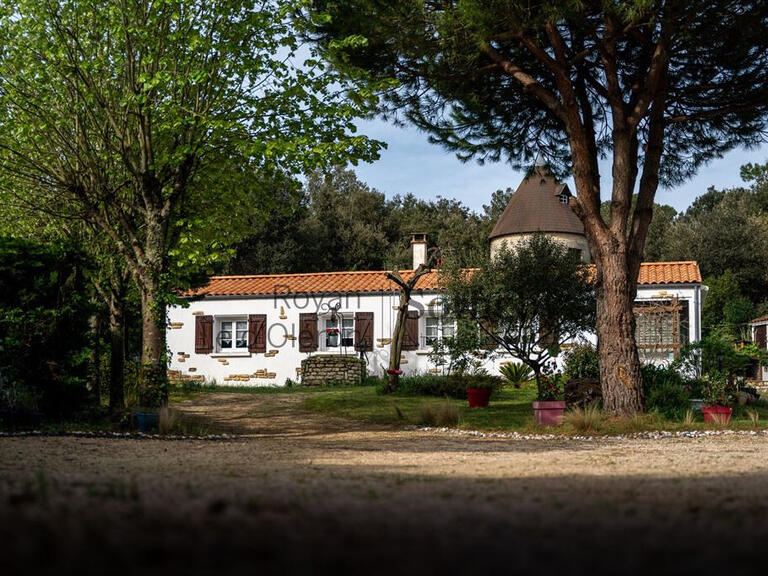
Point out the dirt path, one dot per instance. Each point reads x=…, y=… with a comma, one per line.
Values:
x=303, y=494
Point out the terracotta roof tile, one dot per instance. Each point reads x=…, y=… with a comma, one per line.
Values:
x=669, y=273
x=761, y=319
x=376, y=281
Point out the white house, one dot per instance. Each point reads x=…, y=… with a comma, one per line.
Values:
x=256, y=330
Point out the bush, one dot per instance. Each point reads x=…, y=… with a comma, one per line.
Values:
x=585, y=420
x=451, y=386
x=44, y=335
x=665, y=391
x=581, y=361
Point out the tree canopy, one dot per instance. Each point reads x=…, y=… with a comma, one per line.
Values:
x=528, y=299
x=159, y=122
x=662, y=87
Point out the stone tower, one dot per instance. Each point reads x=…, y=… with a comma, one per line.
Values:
x=540, y=204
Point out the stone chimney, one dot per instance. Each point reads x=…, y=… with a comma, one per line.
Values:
x=419, y=246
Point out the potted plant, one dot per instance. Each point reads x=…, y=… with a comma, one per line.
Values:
x=480, y=386
x=549, y=407
x=716, y=394
x=516, y=373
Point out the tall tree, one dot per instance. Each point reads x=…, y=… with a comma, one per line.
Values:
x=134, y=110
x=661, y=86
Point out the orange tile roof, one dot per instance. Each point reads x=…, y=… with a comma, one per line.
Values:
x=318, y=282
x=761, y=319
x=669, y=273
x=376, y=281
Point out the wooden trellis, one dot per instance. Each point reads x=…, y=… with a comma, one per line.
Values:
x=658, y=326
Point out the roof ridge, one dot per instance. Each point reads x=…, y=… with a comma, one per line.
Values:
x=298, y=274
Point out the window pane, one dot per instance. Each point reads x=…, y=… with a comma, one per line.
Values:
x=432, y=324
x=225, y=335
x=348, y=332
x=449, y=328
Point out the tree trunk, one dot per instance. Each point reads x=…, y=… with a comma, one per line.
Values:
x=94, y=361
x=396, y=348
x=620, y=375
x=153, y=380
x=116, y=355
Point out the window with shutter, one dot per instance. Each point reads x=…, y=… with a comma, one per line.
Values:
x=203, y=334
x=307, y=332
x=364, y=331
x=411, y=339
x=257, y=333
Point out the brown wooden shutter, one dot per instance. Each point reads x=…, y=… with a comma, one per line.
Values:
x=307, y=332
x=203, y=334
x=411, y=339
x=760, y=336
x=486, y=341
x=257, y=333
x=364, y=330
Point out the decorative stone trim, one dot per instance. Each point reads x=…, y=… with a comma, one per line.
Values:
x=175, y=325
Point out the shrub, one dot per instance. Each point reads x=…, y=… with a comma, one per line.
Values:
x=44, y=335
x=665, y=391
x=451, y=386
x=438, y=414
x=581, y=361
x=585, y=419
x=516, y=373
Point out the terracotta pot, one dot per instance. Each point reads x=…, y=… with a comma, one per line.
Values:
x=478, y=397
x=549, y=412
x=717, y=414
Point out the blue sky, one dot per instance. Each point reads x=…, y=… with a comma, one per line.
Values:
x=411, y=164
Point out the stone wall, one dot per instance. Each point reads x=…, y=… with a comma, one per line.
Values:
x=321, y=368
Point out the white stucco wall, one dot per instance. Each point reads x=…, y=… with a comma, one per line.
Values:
x=283, y=357
x=576, y=241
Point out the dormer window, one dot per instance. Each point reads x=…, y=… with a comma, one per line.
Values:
x=564, y=198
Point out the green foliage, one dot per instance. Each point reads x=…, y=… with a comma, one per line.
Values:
x=43, y=327
x=462, y=353
x=516, y=373
x=551, y=385
x=338, y=223
x=581, y=361
x=450, y=386
x=527, y=300
x=665, y=391
x=717, y=389
x=716, y=353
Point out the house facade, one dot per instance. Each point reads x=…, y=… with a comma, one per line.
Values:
x=256, y=330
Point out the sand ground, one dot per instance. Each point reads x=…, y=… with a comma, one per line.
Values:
x=297, y=493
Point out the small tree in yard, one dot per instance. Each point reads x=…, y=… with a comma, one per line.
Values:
x=528, y=300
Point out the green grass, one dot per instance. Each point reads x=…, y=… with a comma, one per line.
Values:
x=509, y=411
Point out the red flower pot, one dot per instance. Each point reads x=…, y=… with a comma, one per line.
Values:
x=478, y=397
x=717, y=414
x=549, y=412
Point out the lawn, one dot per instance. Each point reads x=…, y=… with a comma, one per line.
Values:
x=509, y=411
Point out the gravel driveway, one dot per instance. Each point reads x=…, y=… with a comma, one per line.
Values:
x=297, y=493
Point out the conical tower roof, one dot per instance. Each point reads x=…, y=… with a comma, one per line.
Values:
x=536, y=207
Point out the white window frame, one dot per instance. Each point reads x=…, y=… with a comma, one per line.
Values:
x=442, y=322
x=346, y=331
x=218, y=326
